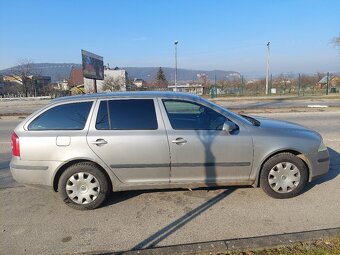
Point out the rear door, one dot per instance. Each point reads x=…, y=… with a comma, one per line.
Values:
x=129, y=136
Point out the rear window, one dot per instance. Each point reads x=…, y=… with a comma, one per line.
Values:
x=71, y=116
x=127, y=114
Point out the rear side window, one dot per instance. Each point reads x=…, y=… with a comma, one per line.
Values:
x=71, y=116
x=130, y=114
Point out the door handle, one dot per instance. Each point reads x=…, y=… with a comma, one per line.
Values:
x=179, y=141
x=99, y=142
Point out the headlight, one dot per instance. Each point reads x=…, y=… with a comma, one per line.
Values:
x=322, y=147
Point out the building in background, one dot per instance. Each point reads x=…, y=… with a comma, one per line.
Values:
x=139, y=83
x=36, y=85
x=333, y=83
x=61, y=85
x=114, y=80
x=76, y=77
x=2, y=85
x=39, y=84
x=197, y=89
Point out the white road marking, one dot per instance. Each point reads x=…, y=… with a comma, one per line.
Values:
x=317, y=106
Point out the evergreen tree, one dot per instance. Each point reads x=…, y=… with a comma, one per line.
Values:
x=160, y=78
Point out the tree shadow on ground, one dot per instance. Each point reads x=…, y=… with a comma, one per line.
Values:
x=206, y=137
x=166, y=231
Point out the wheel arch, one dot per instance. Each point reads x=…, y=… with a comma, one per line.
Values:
x=292, y=151
x=75, y=161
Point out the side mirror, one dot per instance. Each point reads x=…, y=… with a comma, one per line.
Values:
x=229, y=126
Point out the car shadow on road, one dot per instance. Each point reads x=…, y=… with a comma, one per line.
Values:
x=121, y=196
x=6, y=179
x=334, y=170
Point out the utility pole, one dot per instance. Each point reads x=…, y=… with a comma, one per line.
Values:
x=214, y=89
x=176, y=42
x=242, y=85
x=327, y=83
x=299, y=84
x=271, y=84
x=267, y=72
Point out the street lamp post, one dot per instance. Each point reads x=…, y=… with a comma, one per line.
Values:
x=267, y=71
x=176, y=42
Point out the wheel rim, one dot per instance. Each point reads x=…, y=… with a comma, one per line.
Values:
x=284, y=177
x=82, y=188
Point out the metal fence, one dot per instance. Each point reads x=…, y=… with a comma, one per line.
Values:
x=283, y=84
x=294, y=84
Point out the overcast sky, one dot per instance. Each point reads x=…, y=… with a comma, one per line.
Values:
x=212, y=34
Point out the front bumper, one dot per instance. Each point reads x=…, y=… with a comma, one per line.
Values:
x=318, y=164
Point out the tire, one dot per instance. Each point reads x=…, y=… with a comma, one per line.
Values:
x=83, y=186
x=284, y=175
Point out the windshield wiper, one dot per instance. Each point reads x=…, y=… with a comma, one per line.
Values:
x=254, y=121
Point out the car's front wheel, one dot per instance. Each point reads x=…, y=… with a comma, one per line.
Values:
x=83, y=186
x=283, y=176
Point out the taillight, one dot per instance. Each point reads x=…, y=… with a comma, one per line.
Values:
x=15, y=145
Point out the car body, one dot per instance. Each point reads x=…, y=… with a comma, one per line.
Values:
x=152, y=140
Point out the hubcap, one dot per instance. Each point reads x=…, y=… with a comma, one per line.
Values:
x=284, y=177
x=82, y=188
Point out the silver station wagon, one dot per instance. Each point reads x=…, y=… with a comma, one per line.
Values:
x=86, y=146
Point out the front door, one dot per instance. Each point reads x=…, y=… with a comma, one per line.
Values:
x=200, y=150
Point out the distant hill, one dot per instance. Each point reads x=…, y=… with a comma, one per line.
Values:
x=60, y=71
x=57, y=71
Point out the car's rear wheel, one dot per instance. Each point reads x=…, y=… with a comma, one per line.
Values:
x=283, y=176
x=83, y=186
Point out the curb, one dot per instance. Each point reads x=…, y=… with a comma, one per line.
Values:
x=239, y=244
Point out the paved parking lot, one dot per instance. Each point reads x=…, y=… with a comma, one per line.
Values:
x=35, y=221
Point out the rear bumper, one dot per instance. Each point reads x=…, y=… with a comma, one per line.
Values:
x=33, y=172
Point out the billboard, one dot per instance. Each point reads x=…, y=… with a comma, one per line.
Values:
x=93, y=65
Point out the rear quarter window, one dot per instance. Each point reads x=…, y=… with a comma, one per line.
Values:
x=70, y=116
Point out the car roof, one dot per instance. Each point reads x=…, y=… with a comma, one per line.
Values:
x=132, y=94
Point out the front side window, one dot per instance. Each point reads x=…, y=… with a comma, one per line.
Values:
x=185, y=115
x=127, y=114
x=70, y=116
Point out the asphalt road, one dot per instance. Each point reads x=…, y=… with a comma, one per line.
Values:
x=35, y=221
x=277, y=103
x=25, y=107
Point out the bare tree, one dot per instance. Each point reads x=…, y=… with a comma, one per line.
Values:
x=309, y=82
x=284, y=83
x=204, y=80
x=320, y=75
x=230, y=86
x=256, y=87
x=11, y=89
x=112, y=84
x=336, y=42
x=22, y=74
